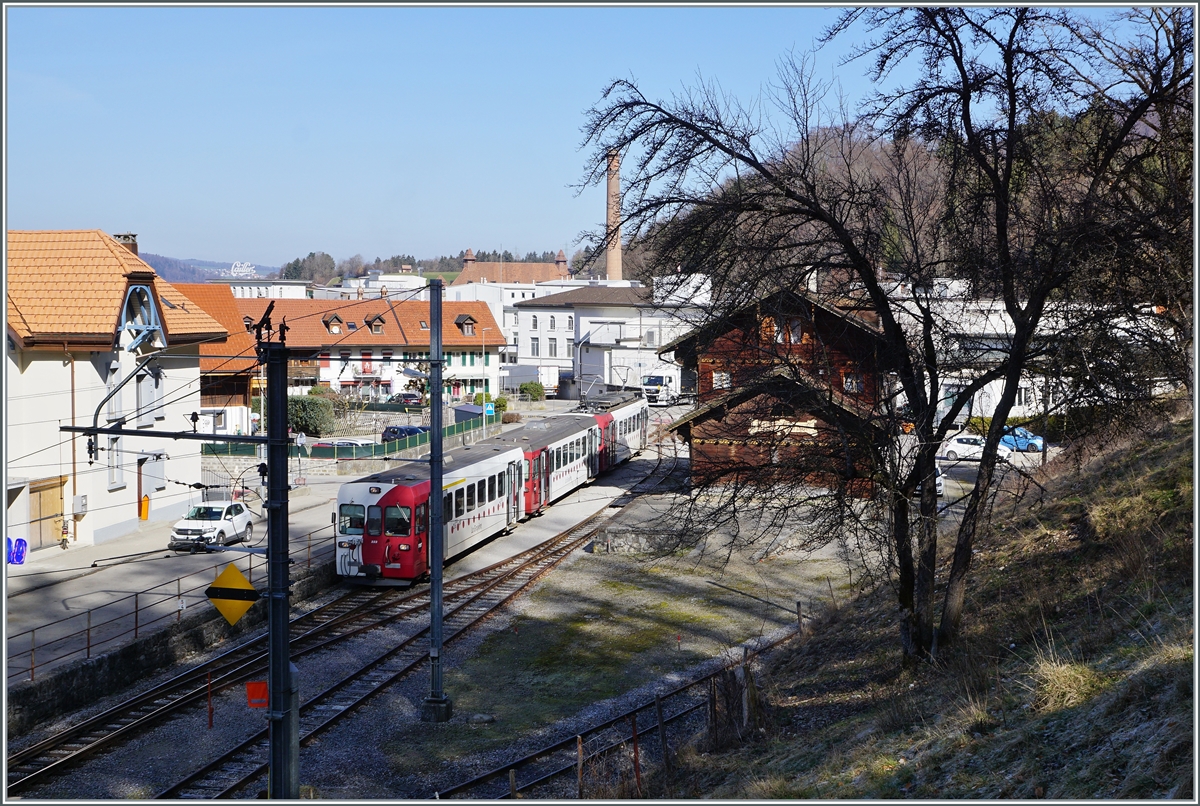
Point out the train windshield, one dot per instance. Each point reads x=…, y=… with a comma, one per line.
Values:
x=352, y=519
x=397, y=520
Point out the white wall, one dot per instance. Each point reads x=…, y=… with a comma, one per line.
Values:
x=39, y=401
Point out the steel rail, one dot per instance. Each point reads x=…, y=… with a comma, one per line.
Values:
x=235, y=769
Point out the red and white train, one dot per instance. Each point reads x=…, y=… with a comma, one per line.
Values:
x=382, y=520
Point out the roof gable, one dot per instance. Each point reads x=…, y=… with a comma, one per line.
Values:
x=70, y=285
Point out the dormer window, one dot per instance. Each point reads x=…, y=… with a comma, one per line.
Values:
x=334, y=324
x=335, y=328
x=377, y=327
x=248, y=322
x=465, y=324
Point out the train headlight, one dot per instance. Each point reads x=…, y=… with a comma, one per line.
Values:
x=404, y=547
x=345, y=544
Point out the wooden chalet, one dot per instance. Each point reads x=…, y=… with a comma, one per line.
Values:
x=789, y=389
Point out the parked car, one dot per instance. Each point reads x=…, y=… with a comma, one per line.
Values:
x=939, y=482
x=221, y=523
x=407, y=398
x=1021, y=439
x=344, y=442
x=394, y=432
x=969, y=446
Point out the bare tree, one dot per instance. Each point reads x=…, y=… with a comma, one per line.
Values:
x=985, y=170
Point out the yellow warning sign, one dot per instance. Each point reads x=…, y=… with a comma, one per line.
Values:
x=232, y=594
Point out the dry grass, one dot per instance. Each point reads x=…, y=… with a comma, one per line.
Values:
x=1073, y=679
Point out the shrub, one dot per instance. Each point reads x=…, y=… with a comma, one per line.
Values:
x=510, y=417
x=482, y=397
x=534, y=389
x=312, y=414
x=501, y=405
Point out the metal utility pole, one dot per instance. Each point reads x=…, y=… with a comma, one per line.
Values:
x=437, y=706
x=283, y=778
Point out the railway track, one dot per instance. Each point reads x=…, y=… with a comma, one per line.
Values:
x=359, y=611
x=653, y=721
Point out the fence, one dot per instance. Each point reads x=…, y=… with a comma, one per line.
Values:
x=377, y=450
x=101, y=629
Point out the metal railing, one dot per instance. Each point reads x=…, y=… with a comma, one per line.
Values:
x=122, y=621
x=379, y=450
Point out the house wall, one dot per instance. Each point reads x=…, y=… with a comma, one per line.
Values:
x=39, y=400
x=467, y=370
x=830, y=350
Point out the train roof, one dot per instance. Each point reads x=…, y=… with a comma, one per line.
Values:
x=531, y=434
x=609, y=401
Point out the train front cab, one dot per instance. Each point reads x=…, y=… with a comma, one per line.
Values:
x=385, y=539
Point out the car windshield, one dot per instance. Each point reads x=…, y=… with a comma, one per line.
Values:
x=205, y=513
x=652, y=380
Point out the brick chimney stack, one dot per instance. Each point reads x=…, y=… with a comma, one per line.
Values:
x=128, y=240
x=612, y=252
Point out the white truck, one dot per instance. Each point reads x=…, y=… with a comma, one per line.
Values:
x=511, y=377
x=659, y=390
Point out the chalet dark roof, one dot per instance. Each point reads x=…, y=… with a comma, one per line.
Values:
x=714, y=329
x=463, y=318
x=594, y=295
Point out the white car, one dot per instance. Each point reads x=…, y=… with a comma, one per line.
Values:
x=221, y=523
x=969, y=446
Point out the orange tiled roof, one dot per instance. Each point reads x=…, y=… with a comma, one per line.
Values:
x=401, y=322
x=496, y=272
x=216, y=299
x=69, y=285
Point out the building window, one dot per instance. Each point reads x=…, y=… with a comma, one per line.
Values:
x=1024, y=396
x=533, y=347
x=852, y=383
x=552, y=323
x=335, y=328
x=468, y=328
x=352, y=326
x=218, y=421
x=377, y=327
x=114, y=402
x=721, y=380
x=116, y=473
x=533, y=322
x=552, y=346
x=792, y=328
x=650, y=337
x=570, y=323
x=570, y=348
x=144, y=393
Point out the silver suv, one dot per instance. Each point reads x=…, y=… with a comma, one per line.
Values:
x=221, y=523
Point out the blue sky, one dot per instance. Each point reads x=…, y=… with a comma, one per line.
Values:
x=261, y=134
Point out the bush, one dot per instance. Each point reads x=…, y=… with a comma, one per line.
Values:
x=501, y=405
x=534, y=389
x=510, y=417
x=482, y=397
x=312, y=414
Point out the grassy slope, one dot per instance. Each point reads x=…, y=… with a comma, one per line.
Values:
x=1074, y=678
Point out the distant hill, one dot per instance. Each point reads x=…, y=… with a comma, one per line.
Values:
x=193, y=270
x=176, y=271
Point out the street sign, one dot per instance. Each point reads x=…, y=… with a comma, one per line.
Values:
x=489, y=409
x=232, y=594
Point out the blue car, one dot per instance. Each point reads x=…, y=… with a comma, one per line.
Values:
x=1021, y=439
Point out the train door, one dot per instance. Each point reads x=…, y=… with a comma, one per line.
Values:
x=533, y=484
x=610, y=443
x=513, y=495
x=547, y=460
x=644, y=417
x=593, y=443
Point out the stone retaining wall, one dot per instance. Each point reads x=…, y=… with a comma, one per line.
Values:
x=71, y=687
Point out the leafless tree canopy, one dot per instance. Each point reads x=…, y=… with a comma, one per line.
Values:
x=1042, y=162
